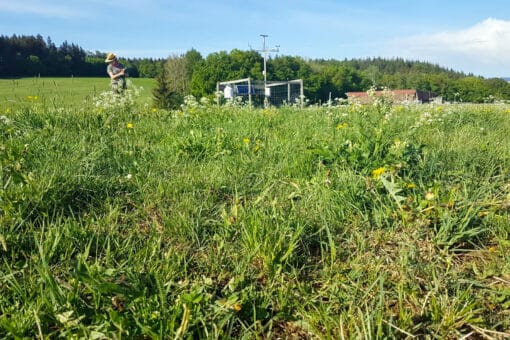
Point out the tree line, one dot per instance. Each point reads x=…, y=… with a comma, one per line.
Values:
x=192, y=73
x=29, y=56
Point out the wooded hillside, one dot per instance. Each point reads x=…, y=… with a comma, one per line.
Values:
x=28, y=56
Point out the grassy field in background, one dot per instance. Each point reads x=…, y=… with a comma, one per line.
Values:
x=63, y=91
x=355, y=222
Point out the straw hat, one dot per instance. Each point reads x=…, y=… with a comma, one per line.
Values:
x=110, y=57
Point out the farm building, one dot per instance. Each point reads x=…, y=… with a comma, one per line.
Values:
x=399, y=96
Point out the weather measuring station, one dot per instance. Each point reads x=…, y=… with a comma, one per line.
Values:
x=265, y=52
x=266, y=93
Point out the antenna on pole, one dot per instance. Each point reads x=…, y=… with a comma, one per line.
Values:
x=265, y=51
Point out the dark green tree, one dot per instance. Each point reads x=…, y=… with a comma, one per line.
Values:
x=164, y=97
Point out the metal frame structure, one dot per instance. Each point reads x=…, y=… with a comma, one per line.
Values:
x=233, y=82
x=262, y=89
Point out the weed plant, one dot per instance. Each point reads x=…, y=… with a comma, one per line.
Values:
x=376, y=221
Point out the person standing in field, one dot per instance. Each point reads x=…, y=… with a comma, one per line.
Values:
x=117, y=73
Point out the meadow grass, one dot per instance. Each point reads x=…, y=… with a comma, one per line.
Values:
x=62, y=92
x=381, y=221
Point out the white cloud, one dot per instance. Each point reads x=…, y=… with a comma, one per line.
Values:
x=482, y=49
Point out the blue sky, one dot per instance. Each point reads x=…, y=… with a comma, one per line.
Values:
x=469, y=36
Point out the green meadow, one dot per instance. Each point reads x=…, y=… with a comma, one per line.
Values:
x=60, y=92
x=119, y=220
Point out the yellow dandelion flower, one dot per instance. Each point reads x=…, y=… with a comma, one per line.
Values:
x=154, y=109
x=237, y=307
x=411, y=186
x=378, y=172
x=492, y=249
x=429, y=196
x=129, y=125
x=342, y=126
x=30, y=98
x=246, y=140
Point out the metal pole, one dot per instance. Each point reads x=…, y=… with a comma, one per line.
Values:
x=217, y=93
x=264, y=51
x=301, y=92
x=249, y=91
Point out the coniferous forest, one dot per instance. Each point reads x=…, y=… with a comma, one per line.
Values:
x=29, y=56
